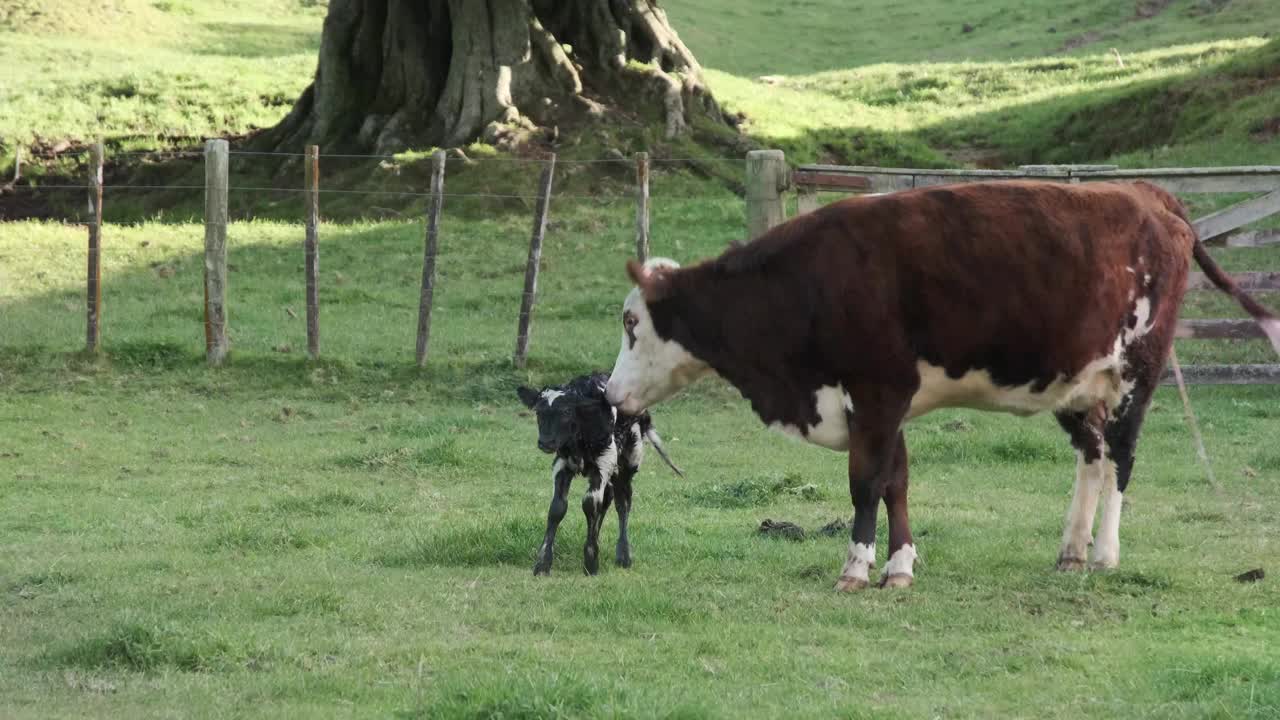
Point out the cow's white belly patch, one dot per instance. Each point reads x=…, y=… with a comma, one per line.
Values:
x=1102, y=380
x=832, y=429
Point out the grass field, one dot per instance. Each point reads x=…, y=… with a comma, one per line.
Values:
x=354, y=537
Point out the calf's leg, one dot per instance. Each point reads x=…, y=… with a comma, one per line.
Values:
x=622, y=500
x=561, y=477
x=595, y=506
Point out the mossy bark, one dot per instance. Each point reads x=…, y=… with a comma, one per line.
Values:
x=396, y=73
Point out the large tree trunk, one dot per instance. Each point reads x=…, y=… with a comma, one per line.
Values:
x=395, y=73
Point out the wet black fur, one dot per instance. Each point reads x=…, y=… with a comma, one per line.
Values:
x=578, y=428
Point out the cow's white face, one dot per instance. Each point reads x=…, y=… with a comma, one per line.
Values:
x=649, y=369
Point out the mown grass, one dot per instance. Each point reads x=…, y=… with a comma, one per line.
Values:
x=356, y=537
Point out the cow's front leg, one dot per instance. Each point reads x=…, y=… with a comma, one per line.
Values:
x=622, y=499
x=874, y=429
x=561, y=478
x=899, y=570
x=595, y=505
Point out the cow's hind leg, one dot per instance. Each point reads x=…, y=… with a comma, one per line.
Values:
x=1086, y=431
x=1121, y=434
x=898, y=571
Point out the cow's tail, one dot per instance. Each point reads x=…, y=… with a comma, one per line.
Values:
x=652, y=436
x=1269, y=323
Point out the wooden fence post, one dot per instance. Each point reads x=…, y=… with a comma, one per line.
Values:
x=766, y=179
x=806, y=200
x=93, y=299
x=642, y=206
x=535, y=257
x=311, y=249
x=430, y=249
x=215, y=250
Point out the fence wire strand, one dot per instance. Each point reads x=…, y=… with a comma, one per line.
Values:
x=398, y=193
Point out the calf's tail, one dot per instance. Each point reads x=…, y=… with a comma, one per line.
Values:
x=652, y=436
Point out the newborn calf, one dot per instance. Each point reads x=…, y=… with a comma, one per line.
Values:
x=589, y=437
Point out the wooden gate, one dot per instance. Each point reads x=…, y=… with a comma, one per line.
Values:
x=808, y=180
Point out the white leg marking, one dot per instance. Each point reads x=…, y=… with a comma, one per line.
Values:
x=901, y=562
x=858, y=564
x=1084, y=504
x=1106, y=549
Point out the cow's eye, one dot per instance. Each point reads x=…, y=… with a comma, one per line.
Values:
x=629, y=322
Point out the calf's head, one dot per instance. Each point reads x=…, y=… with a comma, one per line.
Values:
x=567, y=419
x=651, y=366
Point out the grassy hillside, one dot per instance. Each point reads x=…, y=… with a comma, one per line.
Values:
x=804, y=37
x=870, y=82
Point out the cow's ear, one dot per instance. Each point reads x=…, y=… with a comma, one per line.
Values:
x=528, y=396
x=638, y=273
x=652, y=280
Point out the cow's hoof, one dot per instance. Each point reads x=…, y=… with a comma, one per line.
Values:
x=1103, y=564
x=851, y=584
x=1070, y=564
x=896, y=580
x=541, y=570
x=624, y=560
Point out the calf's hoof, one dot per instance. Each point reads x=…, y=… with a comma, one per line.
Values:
x=542, y=569
x=1103, y=563
x=850, y=584
x=896, y=580
x=1068, y=564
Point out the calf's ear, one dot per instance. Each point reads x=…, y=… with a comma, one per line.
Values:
x=528, y=396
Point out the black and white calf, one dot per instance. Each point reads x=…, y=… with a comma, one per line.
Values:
x=591, y=438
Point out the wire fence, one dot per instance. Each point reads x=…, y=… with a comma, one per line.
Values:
x=218, y=189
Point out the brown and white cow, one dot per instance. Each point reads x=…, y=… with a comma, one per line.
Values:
x=842, y=324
